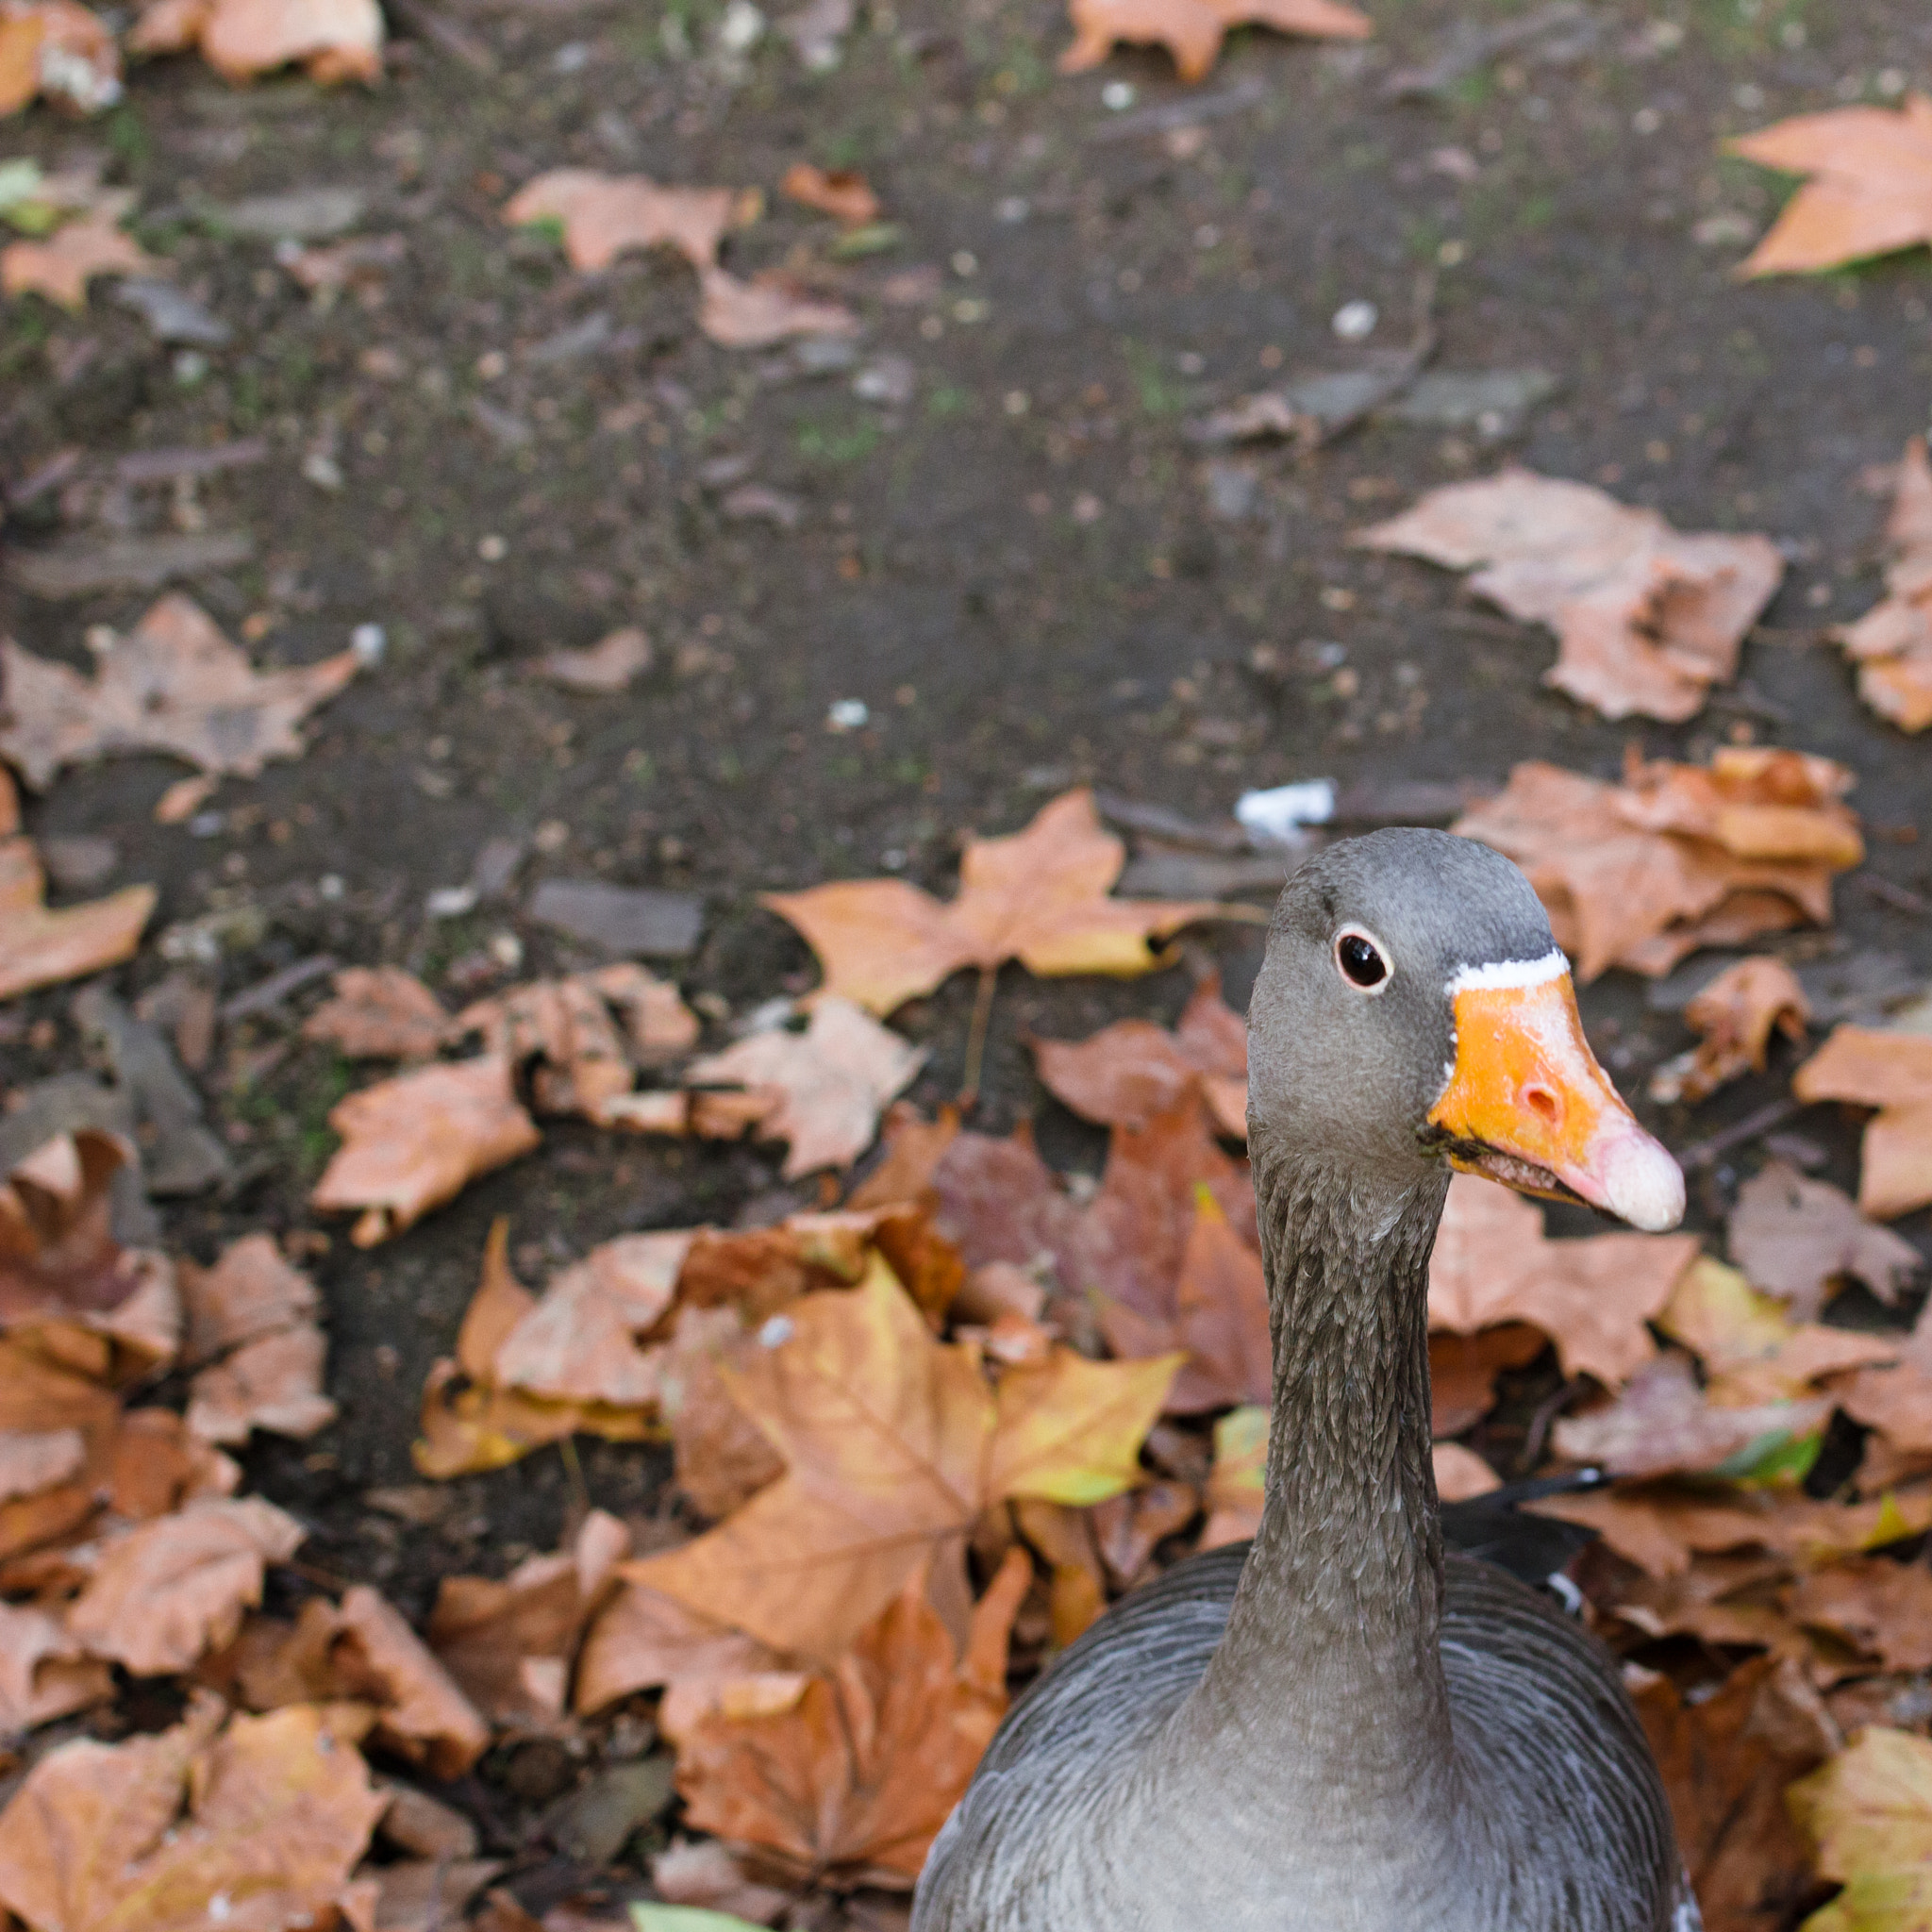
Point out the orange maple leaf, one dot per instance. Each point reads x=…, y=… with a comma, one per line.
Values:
x=894, y=1445
x=61, y=268
x=1193, y=30
x=1039, y=896
x=1870, y=192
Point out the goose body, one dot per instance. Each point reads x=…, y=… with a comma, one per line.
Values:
x=1338, y=1728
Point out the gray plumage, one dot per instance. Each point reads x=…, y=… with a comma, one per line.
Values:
x=1335, y=1730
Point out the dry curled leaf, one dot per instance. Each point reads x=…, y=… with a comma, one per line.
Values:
x=1039, y=896
x=602, y=215
x=823, y=1088
x=167, y=1591
x=1130, y=1072
x=255, y=1828
x=60, y=268
x=415, y=1142
x=1726, y=1760
x=852, y=1781
x=1794, y=1238
x=1737, y=1013
x=894, y=1445
x=1676, y=856
x=768, y=308
x=1591, y=1297
x=173, y=684
x=45, y=1673
x=1884, y=1608
x=1870, y=190
x=380, y=1012
x=56, y=51
x=40, y=946
x=1193, y=30
x=841, y=192
x=642, y=1639
x=1891, y=644
x=611, y=664
x=58, y=1251
x=1893, y=1072
x=334, y=40
x=1647, y=619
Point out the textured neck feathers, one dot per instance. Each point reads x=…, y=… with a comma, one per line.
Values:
x=1330, y=1680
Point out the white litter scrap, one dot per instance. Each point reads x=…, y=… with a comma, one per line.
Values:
x=1276, y=817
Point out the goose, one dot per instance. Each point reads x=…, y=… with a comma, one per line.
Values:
x=1338, y=1728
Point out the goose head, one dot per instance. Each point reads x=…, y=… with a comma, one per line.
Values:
x=1413, y=1012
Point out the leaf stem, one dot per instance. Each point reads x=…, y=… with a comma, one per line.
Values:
x=975, y=1037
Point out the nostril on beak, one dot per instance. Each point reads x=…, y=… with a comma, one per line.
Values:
x=1545, y=1102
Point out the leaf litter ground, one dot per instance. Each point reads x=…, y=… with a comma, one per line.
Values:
x=1110, y=607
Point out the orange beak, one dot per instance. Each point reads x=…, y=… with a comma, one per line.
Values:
x=1527, y=1105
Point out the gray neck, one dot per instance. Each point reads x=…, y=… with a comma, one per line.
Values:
x=1330, y=1675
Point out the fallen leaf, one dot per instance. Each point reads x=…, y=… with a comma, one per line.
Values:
x=1219, y=1320
x=1193, y=30
x=841, y=192
x=43, y=1671
x=1461, y=1473
x=1891, y=644
x=58, y=1251
x=704, y=1874
x=1658, y=1526
x=1897, y=1401
x=721, y=1456
x=42, y=947
x=509, y=1645
x=1676, y=856
x=768, y=308
x=603, y=215
x=61, y=268
x=1870, y=192
x=1719, y=1600
x=362, y=1650
x=380, y=1013
x=611, y=664
x=1130, y=1072
x=1463, y=1371
x=1662, y=1424
x=335, y=40
x=1892, y=1071
x=1794, y=1238
x=166, y=1592
x=1868, y=1812
x=58, y=51
x=1727, y=1759
x=1040, y=897
x=251, y=1291
x=1882, y=1607
x=173, y=684
x=1737, y=1013
x=642, y=1639
x=1592, y=1297
x=824, y=1084
x=894, y=1445
x=415, y=1142
x=1236, y=1483
x=157, y=1465
x=273, y=1383
x=1751, y=1349
x=257, y=1826
x=1127, y=1527
x=1647, y=619
x=854, y=1781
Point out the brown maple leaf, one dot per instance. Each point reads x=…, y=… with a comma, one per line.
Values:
x=415, y=1142
x=1039, y=896
x=894, y=1445
x=262, y=1822
x=642, y=1639
x=1125, y=1073
x=852, y=1782
x=45, y=1673
x=1641, y=873
x=1891, y=644
x=250, y=1330
x=1869, y=1813
x=771, y=308
x=40, y=946
x=1884, y=1608
x=380, y=1013
x=1591, y=1297
x=1737, y=1013
x=1892, y=1071
x=1647, y=619
x=1794, y=1238
x=1193, y=30
x=1727, y=1759
x=335, y=40
x=602, y=215
x=62, y=267
x=1870, y=192
x=173, y=684
x=58, y=1251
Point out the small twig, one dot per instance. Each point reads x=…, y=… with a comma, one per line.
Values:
x=1399, y=374
x=426, y=23
x=1547, y=1410
x=273, y=990
x=573, y=1473
x=1901, y=898
x=1167, y=115
x=975, y=1037
x=1703, y=1153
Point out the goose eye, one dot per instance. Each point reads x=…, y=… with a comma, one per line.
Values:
x=1362, y=963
